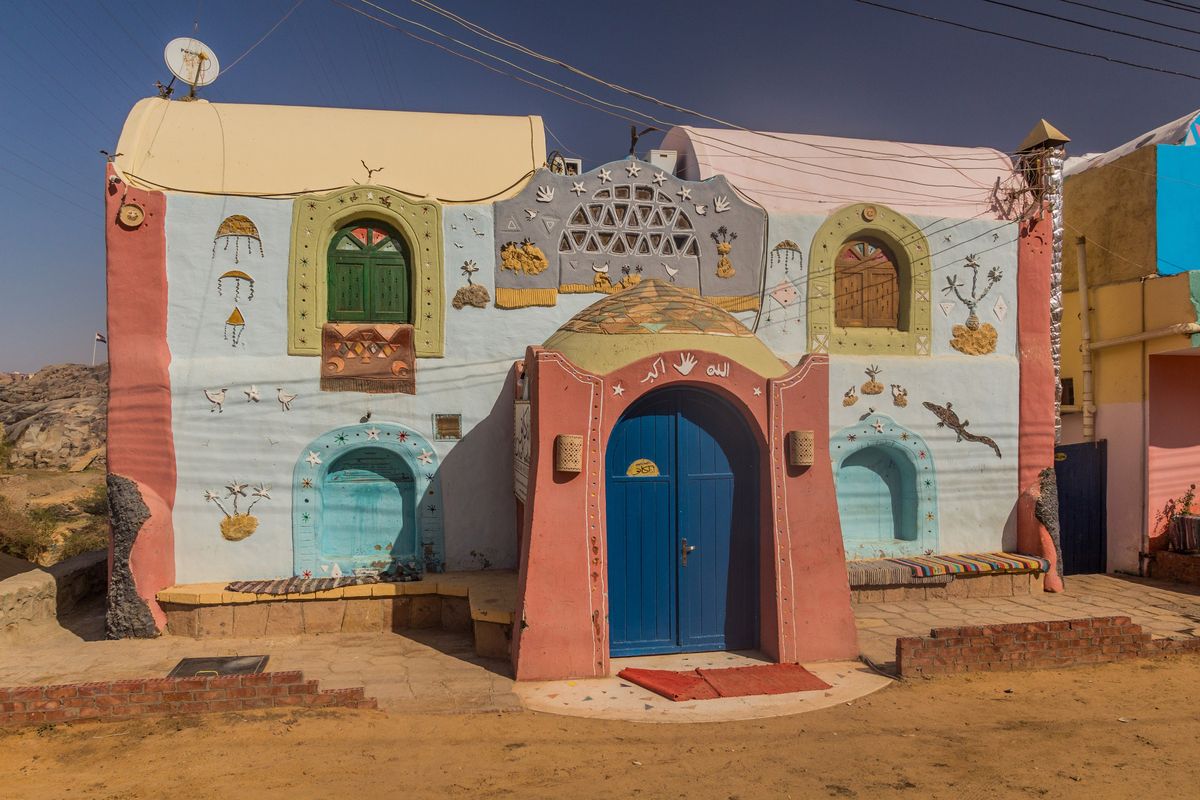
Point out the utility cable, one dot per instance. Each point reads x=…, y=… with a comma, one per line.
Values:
x=1135, y=17
x=590, y=97
x=263, y=38
x=1083, y=24
x=1033, y=42
x=485, y=33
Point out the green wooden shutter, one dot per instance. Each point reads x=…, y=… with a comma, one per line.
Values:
x=348, y=281
x=389, y=290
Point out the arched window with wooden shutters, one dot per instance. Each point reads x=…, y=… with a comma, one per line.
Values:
x=866, y=286
x=369, y=274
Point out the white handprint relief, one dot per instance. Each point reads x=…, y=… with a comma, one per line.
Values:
x=687, y=362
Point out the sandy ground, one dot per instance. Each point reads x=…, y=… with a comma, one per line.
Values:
x=1115, y=731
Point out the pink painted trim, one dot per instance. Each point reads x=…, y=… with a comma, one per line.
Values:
x=140, y=442
x=1035, y=438
x=562, y=612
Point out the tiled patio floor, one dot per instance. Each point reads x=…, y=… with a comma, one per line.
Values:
x=1162, y=609
x=425, y=671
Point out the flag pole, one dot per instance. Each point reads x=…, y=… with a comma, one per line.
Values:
x=95, y=341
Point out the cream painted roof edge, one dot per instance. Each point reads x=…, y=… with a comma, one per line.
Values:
x=280, y=151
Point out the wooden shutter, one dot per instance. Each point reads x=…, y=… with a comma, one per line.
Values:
x=368, y=275
x=866, y=286
x=348, y=289
x=389, y=290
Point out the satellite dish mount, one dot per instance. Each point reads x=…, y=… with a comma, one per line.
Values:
x=191, y=61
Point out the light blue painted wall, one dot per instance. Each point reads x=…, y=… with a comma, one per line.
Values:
x=1178, y=208
x=258, y=442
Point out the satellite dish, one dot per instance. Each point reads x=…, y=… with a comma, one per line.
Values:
x=191, y=61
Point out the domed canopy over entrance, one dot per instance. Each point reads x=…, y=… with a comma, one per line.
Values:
x=653, y=317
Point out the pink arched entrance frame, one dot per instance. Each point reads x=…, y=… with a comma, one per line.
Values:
x=561, y=627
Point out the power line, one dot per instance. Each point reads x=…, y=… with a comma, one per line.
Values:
x=1146, y=20
x=612, y=105
x=263, y=38
x=42, y=188
x=1033, y=42
x=483, y=32
x=1083, y=24
x=1175, y=6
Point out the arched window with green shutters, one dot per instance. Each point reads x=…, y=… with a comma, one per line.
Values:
x=369, y=274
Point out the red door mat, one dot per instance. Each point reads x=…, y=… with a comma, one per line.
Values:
x=707, y=684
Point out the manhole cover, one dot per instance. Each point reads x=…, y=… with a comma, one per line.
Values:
x=219, y=665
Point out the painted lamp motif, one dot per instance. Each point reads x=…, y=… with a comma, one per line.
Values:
x=239, y=524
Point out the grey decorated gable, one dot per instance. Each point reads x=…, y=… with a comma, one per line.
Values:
x=605, y=230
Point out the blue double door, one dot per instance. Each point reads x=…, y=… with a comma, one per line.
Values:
x=682, y=527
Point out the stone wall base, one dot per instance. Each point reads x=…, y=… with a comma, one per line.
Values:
x=342, y=615
x=987, y=584
x=1177, y=567
x=1031, y=645
x=111, y=701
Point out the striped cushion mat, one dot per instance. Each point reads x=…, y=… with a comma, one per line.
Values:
x=937, y=570
x=298, y=585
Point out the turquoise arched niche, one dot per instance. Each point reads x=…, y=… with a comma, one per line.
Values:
x=363, y=497
x=886, y=489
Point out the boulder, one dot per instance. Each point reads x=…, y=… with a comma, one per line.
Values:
x=55, y=417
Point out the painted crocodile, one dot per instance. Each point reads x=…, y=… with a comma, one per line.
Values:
x=948, y=419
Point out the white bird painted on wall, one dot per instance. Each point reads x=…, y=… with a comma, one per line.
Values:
x=285, y=399
x=252, y=395
x=701, y=209
x=671, y=272
x=217, y=398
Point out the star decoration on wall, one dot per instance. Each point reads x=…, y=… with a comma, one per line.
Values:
x=236, y=488
x=659, y=178
x=618, y=390
x=605, y=175
x=929, y=516
x=904, y=436
x=402, y=436
x=758, y=391
x=850, y=437
x=313, y=458
x=878, y=426
x=921, y=454
x=684, y=193
x=577, y=187
x=340, y=438
x=632, y=170
x=426, y=457
x=210, y=496
x=373, y=433
x=306, y=483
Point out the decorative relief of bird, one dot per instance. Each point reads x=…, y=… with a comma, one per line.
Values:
x=285, y=399
x=217, y=398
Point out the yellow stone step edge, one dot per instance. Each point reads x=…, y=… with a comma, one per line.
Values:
x=492, y=595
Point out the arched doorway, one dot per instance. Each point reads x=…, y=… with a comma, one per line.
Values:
x=364, y=497
x=370, y=502
x=682, y=526
x=886, y=489
x=877, y=496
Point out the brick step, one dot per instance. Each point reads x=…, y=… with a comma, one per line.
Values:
x=129, y=699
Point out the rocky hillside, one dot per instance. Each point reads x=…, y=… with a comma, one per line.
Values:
x=55, y=418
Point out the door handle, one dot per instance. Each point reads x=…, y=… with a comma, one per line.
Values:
x=684, y=549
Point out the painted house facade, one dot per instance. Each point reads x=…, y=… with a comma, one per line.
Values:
x=675, y=401
x=1136, y=208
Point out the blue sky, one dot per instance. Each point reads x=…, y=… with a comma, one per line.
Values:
x=70, y=70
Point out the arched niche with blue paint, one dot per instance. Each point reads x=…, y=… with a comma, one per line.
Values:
x=366, y=496
x=886, y=489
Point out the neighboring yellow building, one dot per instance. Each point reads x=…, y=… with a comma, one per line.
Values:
x=1125, y=205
